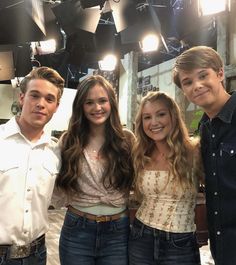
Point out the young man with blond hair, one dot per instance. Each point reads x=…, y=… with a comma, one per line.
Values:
x=29, y=162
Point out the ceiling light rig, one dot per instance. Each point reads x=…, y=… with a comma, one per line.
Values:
x=85, y=15
x=86, y=24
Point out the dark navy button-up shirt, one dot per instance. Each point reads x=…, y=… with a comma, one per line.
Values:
x=218, y=141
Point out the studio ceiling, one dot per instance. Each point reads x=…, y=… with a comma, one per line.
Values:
x=80, y=49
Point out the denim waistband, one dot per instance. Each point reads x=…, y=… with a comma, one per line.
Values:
x=156, y=232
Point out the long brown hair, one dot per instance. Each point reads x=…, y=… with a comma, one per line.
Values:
x=116, y=150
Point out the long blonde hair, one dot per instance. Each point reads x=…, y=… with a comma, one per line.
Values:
x=182, y=148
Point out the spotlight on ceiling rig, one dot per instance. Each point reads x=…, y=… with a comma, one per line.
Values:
x=147, y=23
x=206, y=7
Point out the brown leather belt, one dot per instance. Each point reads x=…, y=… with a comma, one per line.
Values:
x=21, y=251
x=98, y=218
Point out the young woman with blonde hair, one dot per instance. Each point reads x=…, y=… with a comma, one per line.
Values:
x=167, y=172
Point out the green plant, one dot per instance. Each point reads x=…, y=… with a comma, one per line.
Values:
x=195, y=121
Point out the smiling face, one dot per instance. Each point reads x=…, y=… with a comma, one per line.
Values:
x=202, y=86
x=156, y=120
x=39, y=103
x=97, y=106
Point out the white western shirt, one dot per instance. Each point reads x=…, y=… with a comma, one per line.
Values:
x=27, y=175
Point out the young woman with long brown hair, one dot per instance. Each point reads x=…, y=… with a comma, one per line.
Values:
x=96, y=175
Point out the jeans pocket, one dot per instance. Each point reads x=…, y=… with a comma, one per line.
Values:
x=183, y=240
x=41, y=255
x=70, y=220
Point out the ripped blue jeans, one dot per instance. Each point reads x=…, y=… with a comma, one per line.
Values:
x=149, y=246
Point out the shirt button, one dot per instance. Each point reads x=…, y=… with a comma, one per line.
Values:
x=215, y=193
x=213, y=154
x=218, y=233
x=216, y=212
x=213, y=136
x=28, y=190
x=231, y=151
x=26, y=211
x=214, y=173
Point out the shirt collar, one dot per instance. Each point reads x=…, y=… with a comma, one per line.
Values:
x=226, y=112
x=12, y=128
x=228, y=109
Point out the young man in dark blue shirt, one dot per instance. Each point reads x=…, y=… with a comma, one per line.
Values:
x=199, y=73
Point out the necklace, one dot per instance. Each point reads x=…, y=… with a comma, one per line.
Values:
x=96, y=154
x=160, y=157
x=93, y=153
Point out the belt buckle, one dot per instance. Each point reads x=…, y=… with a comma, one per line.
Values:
x=99, y=218
x=102, y=218
x=19, y=251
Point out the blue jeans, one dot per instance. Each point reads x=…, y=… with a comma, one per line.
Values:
x=149, y=246
x=85, y=242
x=38, y=258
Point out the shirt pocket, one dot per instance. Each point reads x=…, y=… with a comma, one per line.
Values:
x=47, y=179
x=229, y=149
x=227, y=161
x=9, y=176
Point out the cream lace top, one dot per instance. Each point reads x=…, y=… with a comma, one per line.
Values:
x=166, y=205
x=93, y=192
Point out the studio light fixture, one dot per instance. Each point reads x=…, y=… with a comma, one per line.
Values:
x=147, y=24
x=22, y=22
x=92, y=3
x=124, y=13
x=43, y=47
x=211, y=7
x=85, y=15
x=72, y=17
x=108, y=63
x=150, y=43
